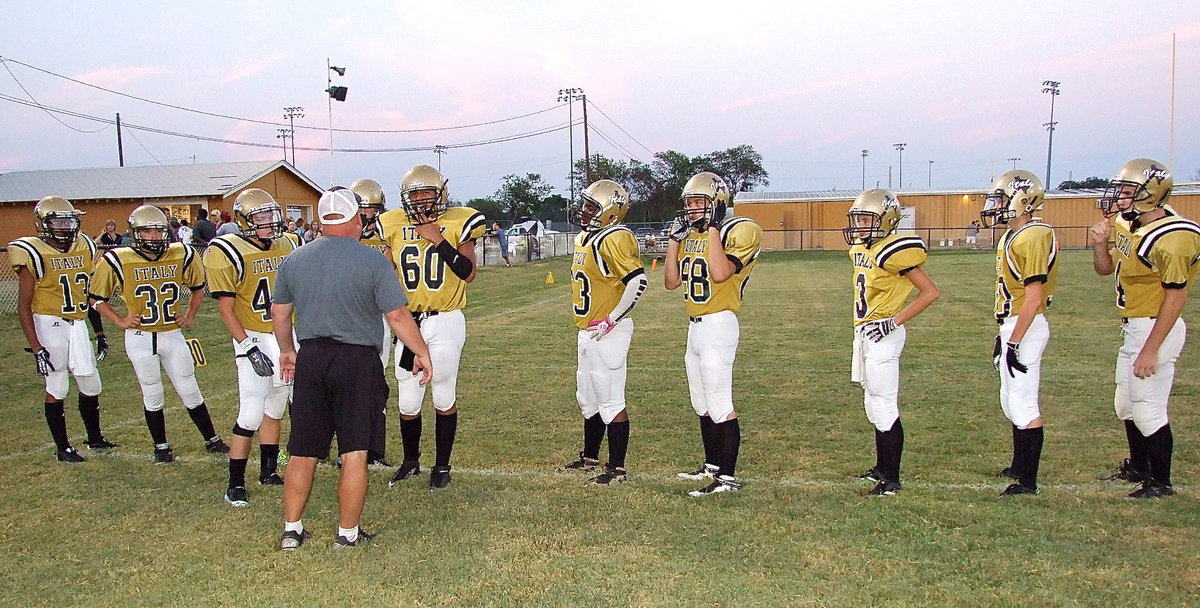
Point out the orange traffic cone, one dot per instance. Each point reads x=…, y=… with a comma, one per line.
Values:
x=549, y=278
x=654, y=265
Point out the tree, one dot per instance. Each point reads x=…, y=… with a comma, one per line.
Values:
x=741, y=167
x=1091, y=182
x=488, y=207
x=519, y=195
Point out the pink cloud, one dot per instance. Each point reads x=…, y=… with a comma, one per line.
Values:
x=116, y=77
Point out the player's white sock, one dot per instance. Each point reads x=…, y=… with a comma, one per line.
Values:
x=294, y=526
x=350, y=534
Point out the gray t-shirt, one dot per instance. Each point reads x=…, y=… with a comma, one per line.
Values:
x=340, y=289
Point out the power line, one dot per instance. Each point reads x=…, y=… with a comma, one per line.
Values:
x=30, y=95
x=593, y=104
x=135, y=138
x=618, y=147
x=7, y=60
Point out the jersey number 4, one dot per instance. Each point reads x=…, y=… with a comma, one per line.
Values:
x=417, y=267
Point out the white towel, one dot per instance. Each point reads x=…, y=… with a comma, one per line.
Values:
x=79, y=357
x=856, y=358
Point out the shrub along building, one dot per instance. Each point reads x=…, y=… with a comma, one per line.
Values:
x=814, y=220
x=179, y=190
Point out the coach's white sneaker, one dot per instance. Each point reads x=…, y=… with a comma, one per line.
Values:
x=706, y=471
x=722, y=483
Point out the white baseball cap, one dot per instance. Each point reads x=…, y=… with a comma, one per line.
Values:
x=337, y=206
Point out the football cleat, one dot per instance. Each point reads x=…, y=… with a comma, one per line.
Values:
x=408, y=468
x=102, y=444
x=216, y=446
x=720, y=484
x=885, y=487
x=340, y=542
x=1008, y=473
x=70, y=455
x=237, y=497
x=1152, y=489
x=292, y=540
x=583, y=464
x=706, y=471
x=611, y=476
x=163, y=455
x=872, y=474
x=439, y=477
x=270, y=480
x=1017, y=489
x=378, y=461
x=1126, y=472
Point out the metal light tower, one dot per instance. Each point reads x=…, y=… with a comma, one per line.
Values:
x=1014, y=160
x=1051, y=87
x=569, y=96
x=929, y=179
x=864, y=155
x=338, y=93
x=291, y=114
x=900, y=147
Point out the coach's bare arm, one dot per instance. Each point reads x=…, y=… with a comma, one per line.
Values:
x=406, y=331
x=281, y=325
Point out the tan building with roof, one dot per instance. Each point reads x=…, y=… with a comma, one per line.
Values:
x=180, y=190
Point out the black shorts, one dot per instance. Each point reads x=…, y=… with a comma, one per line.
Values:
x=339, y=389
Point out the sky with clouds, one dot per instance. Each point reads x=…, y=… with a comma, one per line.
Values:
x=809, y=86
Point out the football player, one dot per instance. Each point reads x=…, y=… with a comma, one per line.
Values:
x=53, y=271
x=1026, y=274
x=712, y=257
x=433, y=249
x=371, y=204
x=1154, y=253
x=607, y=280
x=152, y=274
x=241, y=273
x=887, y=266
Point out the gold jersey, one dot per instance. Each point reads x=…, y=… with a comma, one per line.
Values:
x=60, y=278
x=240, y=269
x=1023, y=256
x=602, y=264
x=377, y=243
x=880, y=284
x=742, y=240
x=153, y=287
x=426, y=280
x=1161, y=254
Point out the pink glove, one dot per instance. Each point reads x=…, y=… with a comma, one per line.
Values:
x=599, y=329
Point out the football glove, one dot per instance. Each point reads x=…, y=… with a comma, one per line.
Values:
x=599, y=329
x=878, y=330
x=261, y=362
x=679, y=230
x=718, y=215
x=996, y=352
x=42, y=357
x=1012, y=361
x=101, y=347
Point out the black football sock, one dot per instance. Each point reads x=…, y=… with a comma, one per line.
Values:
x=410, y=436
x=1139, y=457
x=712, y=446
x=268, y=459
x=157, y=423
x=89, y=410
x=1015, y=467
x=878, y=450
x=237, y=472
x=593, y=435
x=444, y=429
x=1031, y=455
x=1159, y=447
x=203, y=421
x=729, y=436
x=893, y=446
x=57, y=421
x=618, y=443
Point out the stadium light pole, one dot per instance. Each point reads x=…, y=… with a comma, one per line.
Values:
x=338, y=93
x=1014, y=160
x=569, y=96
x=1051, y=87
x=864, y=155
x=900, y=147
x=929, y=179
x=291, y=114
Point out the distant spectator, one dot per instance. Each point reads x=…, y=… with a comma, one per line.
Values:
x=185, y=232
x=204, y=230
x=313, y=233
x=973, y=233
x=174, y=232
x=109, y=239
x=291, y=224
x=502, y=237
x=228, y=226
x=300, y=229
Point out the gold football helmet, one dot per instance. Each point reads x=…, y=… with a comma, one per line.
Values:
x=420, y=207
x=602, y=204
x=149, y=230
x=57, y=221
x=371, y=201
x=874, y=215
x=1141, y=185
x=1013, y=194
x=705, y=185
x=254, y=210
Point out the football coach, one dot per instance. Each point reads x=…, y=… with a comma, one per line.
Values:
x=340, y=291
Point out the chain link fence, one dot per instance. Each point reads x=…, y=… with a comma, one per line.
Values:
x=1069, y=237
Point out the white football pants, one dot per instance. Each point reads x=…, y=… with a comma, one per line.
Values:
x=258, y=395
x=1144, y=400
x=881, y=377
x=1019, y=394
x=150, y=351
x=600, y=377
x=711, y=348
x=70, y=349
x=445, y=333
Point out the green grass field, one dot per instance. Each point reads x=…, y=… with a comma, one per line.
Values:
x=121, y=531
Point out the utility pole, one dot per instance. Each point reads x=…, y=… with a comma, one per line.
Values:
x=587, y=156
x=1051, y=87
x=284, y=134
x=120, y=147
x=569, y=96
x=291, y=114
x=864, y=183
x=900, y=177
x=439, y=150
x=929, y=180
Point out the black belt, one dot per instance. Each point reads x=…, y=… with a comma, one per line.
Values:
x=1126, y=319
x=696, y=319
x=425, y=314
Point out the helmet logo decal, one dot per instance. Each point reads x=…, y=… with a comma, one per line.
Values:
x=1154, y=172
x=1020, y=184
